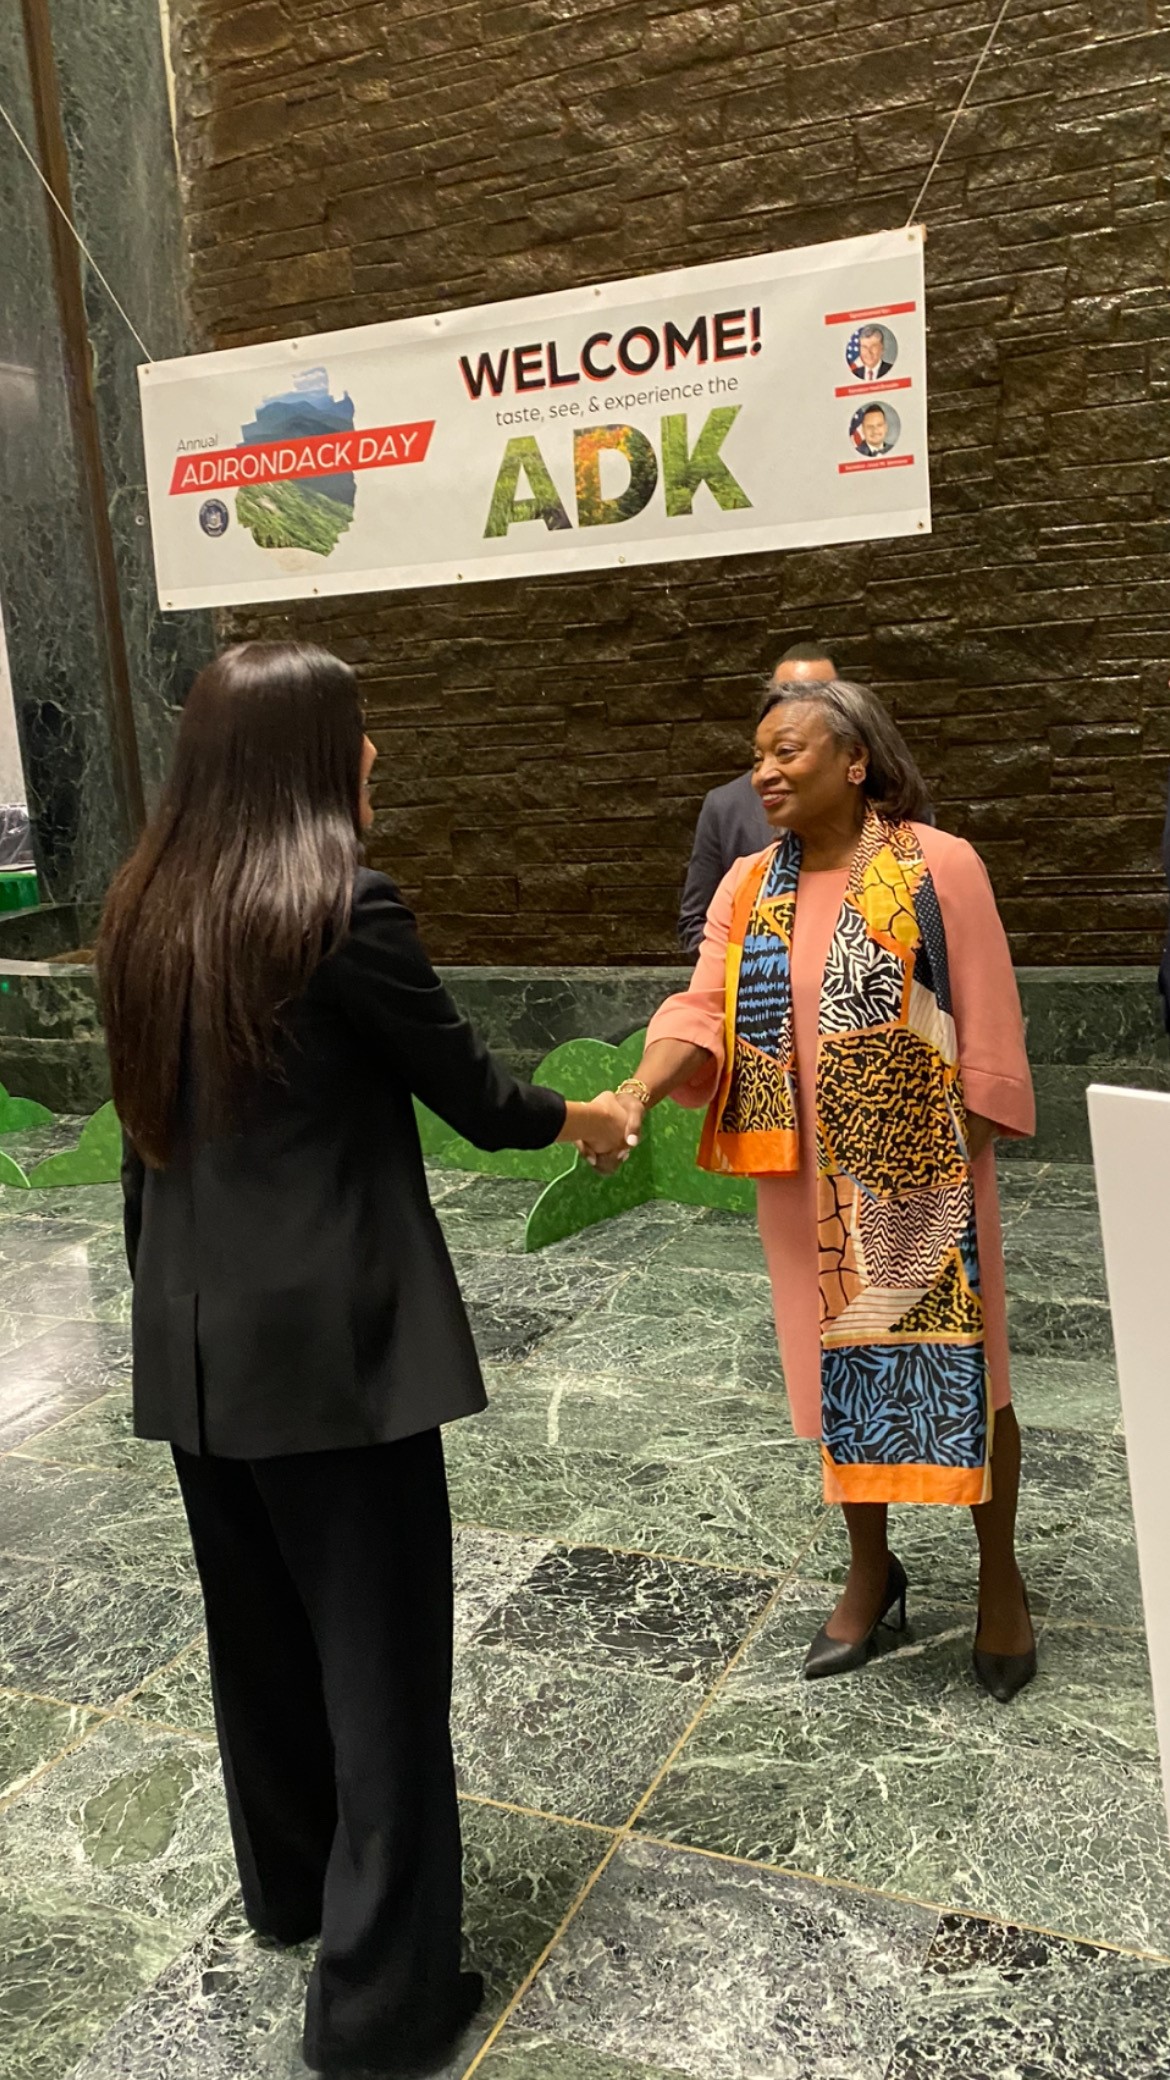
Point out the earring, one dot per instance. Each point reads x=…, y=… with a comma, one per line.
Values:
x=857, y=775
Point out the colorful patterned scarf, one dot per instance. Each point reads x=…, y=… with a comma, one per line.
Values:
x=905, y=1414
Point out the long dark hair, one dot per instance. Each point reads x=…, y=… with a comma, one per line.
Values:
x=855, y=715
x=236, y=889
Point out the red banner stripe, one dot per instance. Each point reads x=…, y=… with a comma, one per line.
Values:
x=312, y=455
x=885, y=383
x=849, y=469
x=880, y=310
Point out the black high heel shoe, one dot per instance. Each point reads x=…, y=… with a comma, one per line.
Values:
x=835, y=1657
x=1003, y=1676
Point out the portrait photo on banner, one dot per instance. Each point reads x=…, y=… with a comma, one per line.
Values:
x=875, y=429
x=871, y=352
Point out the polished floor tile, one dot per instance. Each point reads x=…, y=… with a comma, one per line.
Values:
x=100, y=1435
x=87, y=1637
x=487, y=1213
x=82, y=1282
x=715, y=1241
x=178, y=1694
x=642, y=1419
x=555, y=1454
x=522, y=1874
x=67, y=1970
x=489, y=1567
x=1100, y=1581
x=998, y=2003
x=519, y=2055
x=725, y=1300
x=546, y=1283
x=107, y=1522
x=1092, y=1696
x=1061, y=1393
x=870, y=1778
x=541, y=1730
x=1037, y=1192
x=97, y=1204
x=641, y=1557
x=509, y=1331
x=34, y=1243
x=1075, y=1845
x=599, y=1607
x=226, y=2008
x=34, y=1733
x=720, y=1971
x=131, y=1822
x=54, y=1368
x=676, y=1343
x=637, y=1237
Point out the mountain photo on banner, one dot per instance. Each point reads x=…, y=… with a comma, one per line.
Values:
x=299, y=515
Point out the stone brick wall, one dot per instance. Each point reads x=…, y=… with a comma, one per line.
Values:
x=544, y=746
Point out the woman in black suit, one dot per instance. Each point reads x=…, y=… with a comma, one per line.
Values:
x=298, y=1331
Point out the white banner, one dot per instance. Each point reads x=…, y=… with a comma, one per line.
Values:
x=769, y=403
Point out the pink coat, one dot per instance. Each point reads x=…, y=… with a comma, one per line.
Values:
x=996, y=1083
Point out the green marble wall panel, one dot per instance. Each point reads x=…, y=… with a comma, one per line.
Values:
x=47, y=586
x=112, y=72
x=115, y=111
x=1075, y=1015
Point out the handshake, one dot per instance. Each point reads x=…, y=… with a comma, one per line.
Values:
x=606, y=1129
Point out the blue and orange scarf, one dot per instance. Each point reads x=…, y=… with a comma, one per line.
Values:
x=905, y=1406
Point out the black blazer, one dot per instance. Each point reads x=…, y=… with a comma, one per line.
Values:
x=732, y=825
x=292, y=1288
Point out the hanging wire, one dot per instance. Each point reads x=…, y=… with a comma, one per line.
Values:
x=980, y=61
x=67, y=219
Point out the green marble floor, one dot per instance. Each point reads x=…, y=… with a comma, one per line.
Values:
x=681, y=1859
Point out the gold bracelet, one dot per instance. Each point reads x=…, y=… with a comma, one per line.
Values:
x=633, y=1087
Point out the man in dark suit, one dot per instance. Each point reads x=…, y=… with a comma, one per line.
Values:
x=732, y=823
x=870, y=365
x=875, y=432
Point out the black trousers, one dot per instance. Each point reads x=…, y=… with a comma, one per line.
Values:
x=327, y=1582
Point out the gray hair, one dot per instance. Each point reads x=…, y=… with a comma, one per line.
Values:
x=873, y=332
x=856, y=717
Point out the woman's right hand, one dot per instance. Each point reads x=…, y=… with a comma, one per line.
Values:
x=605, y=1129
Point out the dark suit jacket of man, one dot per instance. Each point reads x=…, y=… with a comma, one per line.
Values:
x=732, y=825
x=292, y=1287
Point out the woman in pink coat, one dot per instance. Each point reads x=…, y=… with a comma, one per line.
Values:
x=853, y=1028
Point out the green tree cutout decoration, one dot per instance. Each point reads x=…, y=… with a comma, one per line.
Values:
x=97, y=1158
x=18, y=1115
x=575, y=1197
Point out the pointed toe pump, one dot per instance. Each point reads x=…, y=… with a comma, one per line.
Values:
x=836, y=1657
x=1003, y=1676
